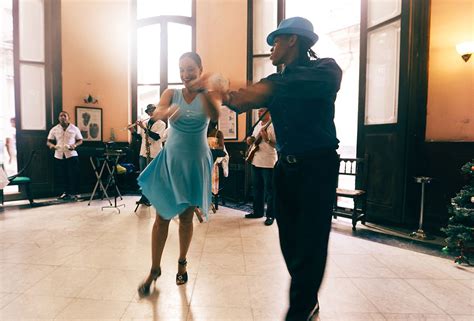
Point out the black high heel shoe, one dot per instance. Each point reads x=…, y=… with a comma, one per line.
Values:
x=182, y=278
x=144, y=288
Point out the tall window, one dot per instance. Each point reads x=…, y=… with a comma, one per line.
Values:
x=337, y=23
x=383, y=55
x=165, y=29
x=32, y=65
x=7, y=90
x=264, y=15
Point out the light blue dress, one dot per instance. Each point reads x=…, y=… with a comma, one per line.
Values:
x=180, y=176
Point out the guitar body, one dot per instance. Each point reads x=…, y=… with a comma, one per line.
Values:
x=251, y=152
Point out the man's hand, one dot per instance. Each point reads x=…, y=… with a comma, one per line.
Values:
x=140, y=123
x=250, y=140
x=264, y=134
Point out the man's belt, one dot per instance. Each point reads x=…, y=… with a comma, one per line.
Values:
x=300, y=157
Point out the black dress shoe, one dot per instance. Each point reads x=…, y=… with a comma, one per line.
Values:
x=253, y=215
x=269, y=221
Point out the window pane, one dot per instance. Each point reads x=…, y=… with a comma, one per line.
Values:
x=33, y=106
x=31, y=18
x=264, y=22
x=148, y=54
x=382, y=10
x=7, y=94
x=152, y=8
x=326, y=16
x=382, y=75
x=146, y=95
x=177, y=47
x=262, y=67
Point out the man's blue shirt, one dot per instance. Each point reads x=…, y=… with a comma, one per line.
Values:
x=302, y=106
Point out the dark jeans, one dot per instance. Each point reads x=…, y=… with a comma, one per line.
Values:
x=143, y=164
x=262, y=184
x=69, y=172
x=304, y=197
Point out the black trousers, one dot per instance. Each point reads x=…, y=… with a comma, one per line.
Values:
x=304, y=198
x=262, y=184
x=69, y=172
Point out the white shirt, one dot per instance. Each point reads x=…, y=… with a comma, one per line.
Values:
x=266, y=155
x=155, y=145
x=64, y=139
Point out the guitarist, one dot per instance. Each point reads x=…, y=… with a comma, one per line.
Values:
x=263, y=156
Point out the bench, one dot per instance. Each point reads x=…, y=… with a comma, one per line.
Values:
x=20, y=180
x=357, y=168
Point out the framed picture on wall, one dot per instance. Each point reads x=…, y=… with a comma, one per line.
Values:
x=89, y=122
x=228, y=123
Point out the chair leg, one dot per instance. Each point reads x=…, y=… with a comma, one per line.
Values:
x=28, y=193
x=354, y=216
x=364, y=209
x=1, y=196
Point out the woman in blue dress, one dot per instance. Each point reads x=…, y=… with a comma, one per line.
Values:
x=178, y=180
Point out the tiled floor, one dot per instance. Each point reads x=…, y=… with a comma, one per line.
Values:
x=76, y=262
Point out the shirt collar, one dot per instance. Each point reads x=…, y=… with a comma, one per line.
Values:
x=295, y=66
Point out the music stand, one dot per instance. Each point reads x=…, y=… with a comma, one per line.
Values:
x=107, y=164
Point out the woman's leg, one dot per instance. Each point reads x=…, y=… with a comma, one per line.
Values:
x=185, y=236
x=159, y=235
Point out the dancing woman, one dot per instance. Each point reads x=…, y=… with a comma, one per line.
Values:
x=179, y=179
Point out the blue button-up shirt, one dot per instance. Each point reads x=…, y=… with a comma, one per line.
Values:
x=301, y=102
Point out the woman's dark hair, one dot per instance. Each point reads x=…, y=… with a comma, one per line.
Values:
x=194, y=56
x=305, y=51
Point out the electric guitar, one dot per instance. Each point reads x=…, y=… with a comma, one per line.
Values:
x=250, y=153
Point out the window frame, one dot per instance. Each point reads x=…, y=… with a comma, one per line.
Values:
x=163, y=20
x=251, y=117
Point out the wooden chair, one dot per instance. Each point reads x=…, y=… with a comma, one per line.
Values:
x=20, y=180
x=355, y=167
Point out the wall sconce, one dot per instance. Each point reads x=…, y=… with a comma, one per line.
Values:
x=465, y=49
x=91, y=100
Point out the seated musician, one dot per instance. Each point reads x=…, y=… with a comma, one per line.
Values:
x=215, y=139
x=263, y=156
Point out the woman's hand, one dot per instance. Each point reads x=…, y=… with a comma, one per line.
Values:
x=212, y=82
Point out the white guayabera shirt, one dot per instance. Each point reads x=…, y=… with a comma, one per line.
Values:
x=64, y=139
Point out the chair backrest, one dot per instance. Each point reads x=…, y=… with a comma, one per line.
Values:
x=355, y=167
x=25, y=168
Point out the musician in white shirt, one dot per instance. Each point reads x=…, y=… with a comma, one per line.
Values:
x=263, y=142
x=151, y=133
x=64, y=139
